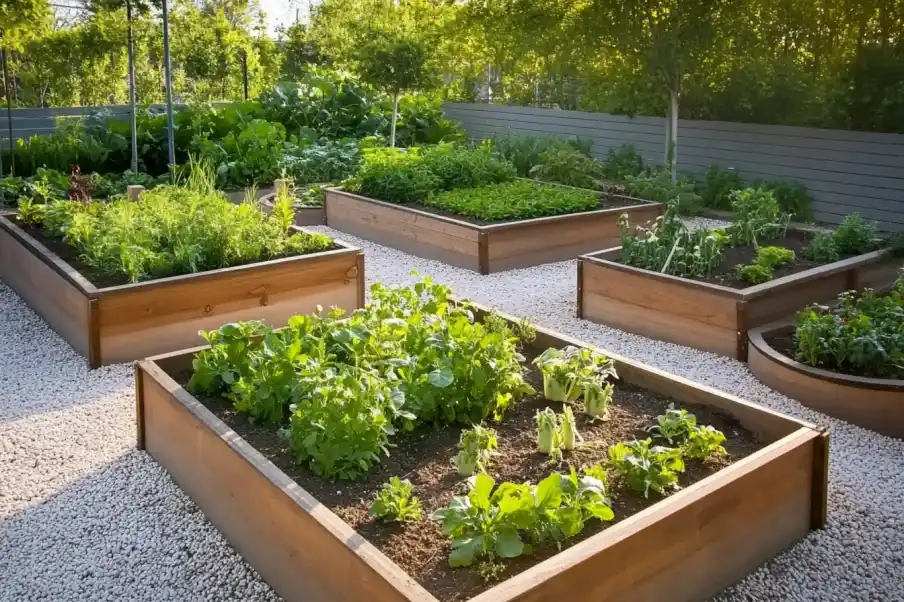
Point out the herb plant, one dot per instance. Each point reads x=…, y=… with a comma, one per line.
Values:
x=395, y=502
x=855, y=235
x=646, y=467
x=657, y=186
x=172, y=230
x=524, y=151
x=569, y=167
x=522, y=199
x=822, y=248
x=622, y=163
x=716, y=189
x=475, y=448
x=568, y=372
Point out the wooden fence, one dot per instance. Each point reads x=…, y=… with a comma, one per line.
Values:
x=846, y=172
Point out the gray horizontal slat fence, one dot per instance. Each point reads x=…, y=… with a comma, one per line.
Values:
x=845, y=171
x=31, y=122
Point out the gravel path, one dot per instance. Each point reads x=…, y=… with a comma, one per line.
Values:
x=86, y=517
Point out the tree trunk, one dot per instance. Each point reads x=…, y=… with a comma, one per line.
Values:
x=9, y=111
x=672, y=137
x=395, y=116
x=134, y=118
x=169, y=92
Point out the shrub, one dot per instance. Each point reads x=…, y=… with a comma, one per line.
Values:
x=524, y=151
x=657, y=186
x=514, y=201
x=172, y=230
x=569, y=167
x=326, y=161
x=391, y=174
x=622, y=163
x=855, y=235
x=461, y=167
x=716, y=189
x=756, y=216
x=822, y=248
x=792, y=198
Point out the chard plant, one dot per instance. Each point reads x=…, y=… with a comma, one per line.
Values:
x=568, y=372
x=475, y=448
x=646, y=467
x=395, y=502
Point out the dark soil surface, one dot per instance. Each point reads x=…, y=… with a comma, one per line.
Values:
x=604, y=203
x=733, y=256
x=425, y=457
x=70, y=255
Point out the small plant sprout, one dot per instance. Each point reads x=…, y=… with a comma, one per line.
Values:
x=597, y=399
x=704, y=442
x=568, y=430
x=646, y=467
x=395, y=502
x=566, y=372
x=548, y=432
x=475, y=447
x=674, y=426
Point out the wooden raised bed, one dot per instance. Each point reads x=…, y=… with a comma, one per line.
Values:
x=685, y=548
x=873, y=403
x=484, y=249
x=132, y=321
x=304, y=216
x=708, y=316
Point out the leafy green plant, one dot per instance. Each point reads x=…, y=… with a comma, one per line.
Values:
x=756, y=216
x=754, y=273
x=792, y=198
x=548, y=433
x=394, y=175
x=855, y=235
x=704, y=442
x=395, y=502
x=646, y=467
x=346, y=383
x=173, y=230
x=459, y=167
x=570, y=167
x=674, y=425
x=475, y=448
x=597, y=398
x=862, y=334
x=508, y=520
x=669, y=247
x=568, y=372
x=517, y=200
x=774, y=257
x=622, y=163
x=325, y=161
x=715, y=191
x=822, y=248
x=657, y=186
x=524, y=151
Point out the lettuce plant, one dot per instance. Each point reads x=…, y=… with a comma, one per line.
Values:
x=704, y=442
x=395, y=502
x=475, y=447
x=673, y=426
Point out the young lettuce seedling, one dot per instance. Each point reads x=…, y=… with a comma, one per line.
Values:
x=475, y=447
x=395, y=502
x=704, y=442
x=673, y=426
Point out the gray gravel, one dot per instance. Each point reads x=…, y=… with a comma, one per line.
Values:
x=85, y=516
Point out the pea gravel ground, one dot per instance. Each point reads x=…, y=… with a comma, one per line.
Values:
x=84, y=516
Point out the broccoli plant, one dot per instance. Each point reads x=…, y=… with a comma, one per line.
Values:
x=646, y=467
x=567, y=372
x=475, y=447
x=395, y=502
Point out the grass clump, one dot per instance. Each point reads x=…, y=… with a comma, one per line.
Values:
x=172, y=230
x=514, y=200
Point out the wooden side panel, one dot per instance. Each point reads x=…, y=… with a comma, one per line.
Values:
x=560, y=238
x=878, y=410
x=141, y=321
x=296, y=544
x=786, y=301
x=59, y=302
x=660, y=309
x=403, y=229
x=692, y=545
x=879, y=275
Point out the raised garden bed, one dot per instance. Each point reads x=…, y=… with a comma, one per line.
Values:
x=685, y=547
x=118, y=323
x=484, y=248
x=706, y=315
x=873, y=403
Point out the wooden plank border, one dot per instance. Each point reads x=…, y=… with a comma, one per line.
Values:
x=714, y=532
x=484, y=249
x=708, y=316
x=873, y=403
x=126, y=322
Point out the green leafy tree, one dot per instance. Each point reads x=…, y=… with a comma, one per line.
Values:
x=395, y=64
